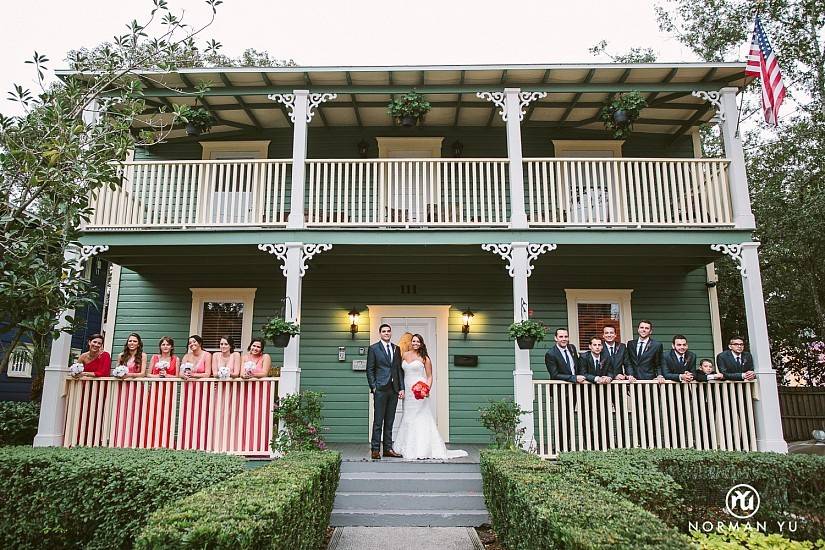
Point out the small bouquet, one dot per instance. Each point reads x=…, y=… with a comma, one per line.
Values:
x=120, y=371
x=162, y=366
x=223, y=373
x=421, y=390
x=76, y=369
x=187, y=369
x=248, y=367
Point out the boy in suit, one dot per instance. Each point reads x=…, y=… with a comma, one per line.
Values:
x=562, y=361
x=679, y=364
x=707, y=372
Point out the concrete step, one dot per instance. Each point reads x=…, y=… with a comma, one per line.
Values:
x=401, y=466
x=392, y=518
x=460, y=501
x=427, y=482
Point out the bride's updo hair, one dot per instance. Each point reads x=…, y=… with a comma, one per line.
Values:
x=422, y=351
x=404, y=342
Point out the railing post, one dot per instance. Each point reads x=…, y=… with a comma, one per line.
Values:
x=512, y=109
x=740, y=196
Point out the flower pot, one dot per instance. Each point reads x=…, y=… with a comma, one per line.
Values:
x=526, y=342
x=281, y=340
x=192, y=130
x=620, y=118
x=409, y=121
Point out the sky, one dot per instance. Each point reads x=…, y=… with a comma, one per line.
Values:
x=365, y=32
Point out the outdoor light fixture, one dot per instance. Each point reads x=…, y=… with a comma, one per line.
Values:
x=363, y=148
x=458, y=149
x=466, y=316
x=353, y=320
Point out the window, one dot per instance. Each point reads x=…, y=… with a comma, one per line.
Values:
x=222, y=311
x=589, y=310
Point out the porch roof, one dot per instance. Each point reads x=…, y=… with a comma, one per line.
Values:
x=576, y=93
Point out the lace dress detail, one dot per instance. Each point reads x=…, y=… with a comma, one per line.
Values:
x=418, y=435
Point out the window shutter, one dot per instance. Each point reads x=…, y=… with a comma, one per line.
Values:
x=221, y=319
x=592, y=319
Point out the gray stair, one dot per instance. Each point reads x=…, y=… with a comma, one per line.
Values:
x=393, y=493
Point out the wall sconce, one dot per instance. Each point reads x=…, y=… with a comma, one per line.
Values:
x=458, y=149
x=353, y=322
x=363, y=148
x=466, y=316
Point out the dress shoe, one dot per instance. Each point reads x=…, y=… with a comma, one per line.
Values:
x=392, y=454
x=376, y=455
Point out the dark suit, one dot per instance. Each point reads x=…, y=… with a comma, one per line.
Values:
x=386, y=379
x=557, y=365
x=727, y=365
x=646, y=366
x=587, y=364
x=616, y=358
x=671, y=368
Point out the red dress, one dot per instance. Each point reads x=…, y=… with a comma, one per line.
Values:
x=101, y=365
x=171, y=370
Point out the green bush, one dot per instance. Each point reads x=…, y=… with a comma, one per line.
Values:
x=95, y=498
x=301, y=429
x=501, y=418
x=285, y=504
x=749, y=538
x=18, y=422
x=535, y=505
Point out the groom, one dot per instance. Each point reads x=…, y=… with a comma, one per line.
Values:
x=386, y=380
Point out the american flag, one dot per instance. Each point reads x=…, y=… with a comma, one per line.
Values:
x=762, y=63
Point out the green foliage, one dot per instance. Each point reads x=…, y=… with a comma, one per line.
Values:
x=301, y=416
x=198, y=117
x=631, y=103
x=411, y=104
x=729, y=538
x=284, y=505
x=530, y=328
x=501, y=418
x=277, y=325
x=535, y=504
x=95, y=498
x=633, y=55
x=18, y=422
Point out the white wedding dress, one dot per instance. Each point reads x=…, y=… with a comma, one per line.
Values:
x=418, y=435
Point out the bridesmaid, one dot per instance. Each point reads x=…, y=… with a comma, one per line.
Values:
x=164, y=363
x=96, y=362
x=197, y=363
x=227, y=357
x=133, y=356
x=255, y=363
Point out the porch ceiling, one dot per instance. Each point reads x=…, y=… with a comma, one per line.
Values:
x=576, y=92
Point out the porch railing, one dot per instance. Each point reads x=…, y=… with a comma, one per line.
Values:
x=224, y=416
x=584, y=417
x=628, y=192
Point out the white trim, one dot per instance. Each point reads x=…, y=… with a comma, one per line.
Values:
x=713, y=301
x=577, y=296
x=258, y=147
x=442, y=319
x=245, y=295
x=561, y=146
x=111, y=308
x=387, y=145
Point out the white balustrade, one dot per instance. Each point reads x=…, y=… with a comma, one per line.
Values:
x=224, y=416
x=628, y=192
x=646, y=414
x=193, y=194
x=408, y=192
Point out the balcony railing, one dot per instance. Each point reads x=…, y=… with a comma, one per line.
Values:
x=420, y=193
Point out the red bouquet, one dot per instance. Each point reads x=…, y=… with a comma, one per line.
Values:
x=421, y=390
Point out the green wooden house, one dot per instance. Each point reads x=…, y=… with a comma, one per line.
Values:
x=510, y=197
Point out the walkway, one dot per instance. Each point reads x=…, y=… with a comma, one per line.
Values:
x=405, y=538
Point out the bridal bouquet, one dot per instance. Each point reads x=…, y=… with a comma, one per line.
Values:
x=248, y=367
x=187, y=368
x=421, y=390
x=76, y=369
x=223, y=373
x=120, y=371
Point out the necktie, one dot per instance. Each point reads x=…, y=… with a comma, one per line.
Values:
x=640, y=348
x=739, y=360
x=682, y=360
x=389, y=352
x=610, y=350
x=568, y=359
x=597, y=365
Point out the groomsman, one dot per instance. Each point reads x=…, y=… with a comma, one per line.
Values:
x=679, y=364
x=736, y=363
x=643, y=359
x=615, y=352
x=562, y=361
x=594, y=363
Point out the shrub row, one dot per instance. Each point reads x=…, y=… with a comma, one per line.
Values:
x=286, y=504
x=95, y=498
x=535, y=504
x=18, y=422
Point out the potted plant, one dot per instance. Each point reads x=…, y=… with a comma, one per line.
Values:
x=409, y=109
x=526, y=333
x=618, y=115
x=279, y=331
x=197, y=119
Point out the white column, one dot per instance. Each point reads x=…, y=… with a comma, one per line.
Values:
x=713, y=302
x=768, y=421
x=740, y=196
x=290, y=381
x=523, y=373
x=299, y=156
x=512, y=112
x=111, y=309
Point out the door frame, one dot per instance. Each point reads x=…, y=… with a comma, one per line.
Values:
x=442, y=317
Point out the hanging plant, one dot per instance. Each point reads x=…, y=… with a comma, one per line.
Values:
x=409, y=109
x=279, y=331
x=197, y=119
x=620, y=114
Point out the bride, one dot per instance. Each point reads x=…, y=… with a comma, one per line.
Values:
x=418, y=435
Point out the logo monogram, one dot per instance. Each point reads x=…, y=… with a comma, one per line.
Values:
x=742, y=501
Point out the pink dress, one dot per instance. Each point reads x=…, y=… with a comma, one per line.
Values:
x=171, y=370
x=133, y=368
x=259, y=364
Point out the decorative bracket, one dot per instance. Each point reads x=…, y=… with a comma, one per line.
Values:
x=525, y=99
x=289, y=102
x=279, y=250
x=313, y=100
x=505, y=250
x=734, y=251
x=499, y=99
x=87, y=252
x=715, y=99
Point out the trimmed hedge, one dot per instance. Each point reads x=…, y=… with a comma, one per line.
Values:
x=18, y=422
x=95, y=498
x=535, y=504
x=285, y=504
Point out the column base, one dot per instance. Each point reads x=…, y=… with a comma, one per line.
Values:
x=772, y=445
x=48, y=440
x=523, y=393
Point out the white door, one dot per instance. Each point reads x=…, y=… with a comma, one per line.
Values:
x=590, y=202
x=232, y=188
